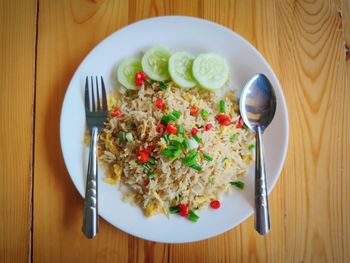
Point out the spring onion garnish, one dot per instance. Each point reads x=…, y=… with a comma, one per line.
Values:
x=190, y=158
x=121, y=137
x=185, y=144
x=197, y=167
x=208, y=158
x=198, y=139
x=192, y=216
x=148, y=81
x=172, y=117
x=204, y=114
x=238, y=184
x=233, y=138
x=165, y=120
x=222, y=106
x=151, y=160
x=180, y=129
x=166, y=138
x=167, y=153
x=245, y=126
x=251, y=147
x=173, y=137
x=177, y=114
x=177, y=154
x=163, y=85
x=174, y=209
x=146, y=167
x=150, y=175
x=129, y=137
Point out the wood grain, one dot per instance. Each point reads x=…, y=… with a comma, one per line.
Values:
x=17, y=50
x=305, y=43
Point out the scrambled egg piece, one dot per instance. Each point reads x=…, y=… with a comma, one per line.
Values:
x=228, y=164
x=200, y=200
x=248, y=159
x=110, y=146
x=110, y=180
x=151, y=209
x=117, y=171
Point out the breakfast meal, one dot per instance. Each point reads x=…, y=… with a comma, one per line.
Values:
x=170, y=138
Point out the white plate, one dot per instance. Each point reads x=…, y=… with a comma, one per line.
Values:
x=178, y=33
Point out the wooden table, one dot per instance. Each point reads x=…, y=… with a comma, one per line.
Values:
x=307, y=44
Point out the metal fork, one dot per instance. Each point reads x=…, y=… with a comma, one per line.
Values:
x=96, y=113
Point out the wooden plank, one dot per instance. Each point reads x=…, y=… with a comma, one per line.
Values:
x=17, y=49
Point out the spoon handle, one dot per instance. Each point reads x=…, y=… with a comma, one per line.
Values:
x=261, y=215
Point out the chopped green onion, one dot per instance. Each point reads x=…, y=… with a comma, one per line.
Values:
x=173, y=147
x=204, y=114
x=233, y=138
x=165, y=120
x=245, y=126
x=121, y=137
x=224, y=159
x=198, y=139
x=129, y=137
x=150, y=175
x=192, y=216
x=166, y=138
x=176, y=144
x=190, y=158
x=177, y=197
x=172, y=116
x=167, y=153
x=185, y=144
x=180, y=129
x=238, y=184
x=251, y=147
x=197, y=167
x=177, y=114
x=177, y=154
x=208, y=158
x=173, y=137
x=146, y=166
x=222, y=106
x=151, y=160
x=174, y=209
x=163, y=85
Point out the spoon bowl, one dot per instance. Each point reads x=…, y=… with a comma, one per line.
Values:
x=258, y=106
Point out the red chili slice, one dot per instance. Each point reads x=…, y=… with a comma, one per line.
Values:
x=208, y=127
x=171, y=128
x=160, y=128
x=215, y=204
x=194, y=110
x=194, y=131
x=142, y=156
x=116, y=112
x=184, y=210
x=240, y=123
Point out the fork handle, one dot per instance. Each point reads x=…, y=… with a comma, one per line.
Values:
x=90, y=218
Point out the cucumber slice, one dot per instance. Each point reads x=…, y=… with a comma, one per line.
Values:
x=210, y=70
x=155, y=63
x=126, y=72
x=180, y=69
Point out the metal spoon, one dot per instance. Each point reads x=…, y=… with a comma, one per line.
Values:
x=258, y=107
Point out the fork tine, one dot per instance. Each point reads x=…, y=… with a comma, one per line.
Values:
x=92, y=95
x=87, y=98
x=104, y=96
x=98, y=96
